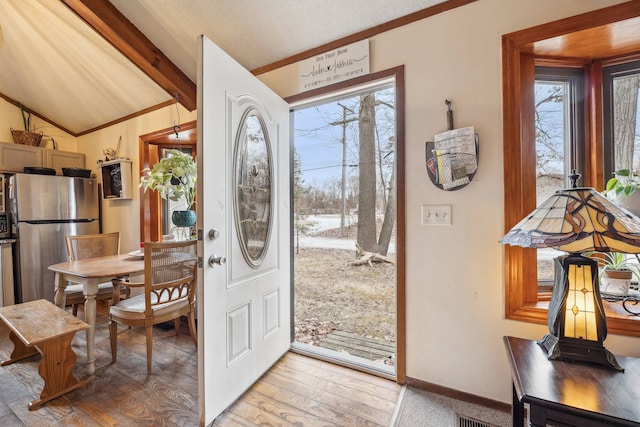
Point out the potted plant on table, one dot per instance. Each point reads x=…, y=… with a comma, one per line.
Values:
x=617, y=272
x=174, y=178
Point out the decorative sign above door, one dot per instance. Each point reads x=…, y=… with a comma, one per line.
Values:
x=335, y=66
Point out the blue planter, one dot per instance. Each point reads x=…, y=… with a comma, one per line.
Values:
x=183, y=218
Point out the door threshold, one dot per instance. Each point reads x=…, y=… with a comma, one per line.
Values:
x=344, y=359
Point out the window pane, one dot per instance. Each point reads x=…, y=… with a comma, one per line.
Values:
x=553, y=162
x=625, y=122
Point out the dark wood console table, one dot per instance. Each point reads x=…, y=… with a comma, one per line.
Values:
x=571, y=394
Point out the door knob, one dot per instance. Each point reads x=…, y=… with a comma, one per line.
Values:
x=214, y=234
x=215, y=259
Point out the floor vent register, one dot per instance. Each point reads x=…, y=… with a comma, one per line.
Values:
x=463, y=421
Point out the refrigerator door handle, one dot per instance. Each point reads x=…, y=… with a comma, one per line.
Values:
x=60, y=221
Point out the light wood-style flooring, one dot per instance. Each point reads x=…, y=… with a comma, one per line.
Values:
x=297, y=391
x=301, y=391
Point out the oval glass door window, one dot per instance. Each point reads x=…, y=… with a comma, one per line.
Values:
x=253, y=190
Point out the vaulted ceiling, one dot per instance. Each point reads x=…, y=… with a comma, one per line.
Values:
x=83, y=64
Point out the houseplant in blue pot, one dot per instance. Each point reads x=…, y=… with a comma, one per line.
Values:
x=174, y=178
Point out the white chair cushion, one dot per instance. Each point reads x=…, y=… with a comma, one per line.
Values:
x=136, y=305
x=77, y=288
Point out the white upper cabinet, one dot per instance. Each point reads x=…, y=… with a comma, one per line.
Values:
x=15, y=157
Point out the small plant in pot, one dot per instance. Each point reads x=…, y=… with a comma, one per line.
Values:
x=174, y=177
x=617, y=272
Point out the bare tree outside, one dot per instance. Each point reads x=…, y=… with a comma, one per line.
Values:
x=367, y=174
x=389, y=196
x=370, y=185
x=625, y=130
x=549, y=127
x=367, y=169
x=551, y=142
x=345, y=208
x=301, y=225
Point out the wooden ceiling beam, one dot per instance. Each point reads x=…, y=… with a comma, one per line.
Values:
x=107, y=21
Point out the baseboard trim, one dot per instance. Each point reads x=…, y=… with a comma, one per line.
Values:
x=459, y=395
x=399, y=404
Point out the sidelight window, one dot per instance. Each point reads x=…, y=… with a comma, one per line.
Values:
x=559, y=140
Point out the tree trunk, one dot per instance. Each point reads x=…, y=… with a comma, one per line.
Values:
x=389, y=214
x=624, y=125
x=366, y=237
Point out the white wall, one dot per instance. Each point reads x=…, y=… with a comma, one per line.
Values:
x=455, y=290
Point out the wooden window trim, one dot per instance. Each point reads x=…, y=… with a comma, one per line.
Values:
x=149, y=152
x=522, y=301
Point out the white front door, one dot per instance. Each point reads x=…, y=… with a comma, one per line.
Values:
x=243, y=211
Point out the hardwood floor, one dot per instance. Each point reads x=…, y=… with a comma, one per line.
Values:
x=297, y=391
x=306, y=392
x=119, y=394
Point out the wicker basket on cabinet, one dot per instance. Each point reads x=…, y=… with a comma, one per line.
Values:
x=26, y=138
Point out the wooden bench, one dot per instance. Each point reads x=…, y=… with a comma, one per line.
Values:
x=40, y=326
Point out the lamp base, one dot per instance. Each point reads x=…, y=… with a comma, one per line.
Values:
x=578, y=351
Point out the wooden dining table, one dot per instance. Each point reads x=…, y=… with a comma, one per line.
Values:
x=90, y=272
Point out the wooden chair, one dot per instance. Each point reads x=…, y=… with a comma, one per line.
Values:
x=90, y=246
x=169, y=285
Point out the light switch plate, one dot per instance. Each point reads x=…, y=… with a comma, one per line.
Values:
x=436, y=215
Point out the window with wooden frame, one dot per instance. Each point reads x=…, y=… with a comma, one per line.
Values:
x=153, y=212
x=591, y=42
x=559, y=95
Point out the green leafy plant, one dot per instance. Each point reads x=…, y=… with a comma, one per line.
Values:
x=173, y=177
x=26, y=117
x=624, y=182
x=616, y=261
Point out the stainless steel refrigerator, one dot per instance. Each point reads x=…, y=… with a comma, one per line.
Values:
x=44, y=210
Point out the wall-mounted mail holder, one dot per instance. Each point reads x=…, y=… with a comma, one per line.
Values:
x=452, y=158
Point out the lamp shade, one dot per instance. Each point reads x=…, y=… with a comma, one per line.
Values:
x=578, y=220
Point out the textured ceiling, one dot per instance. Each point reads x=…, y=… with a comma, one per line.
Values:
x=257, y=32
x=52, y=62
